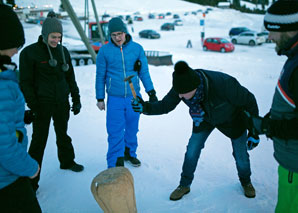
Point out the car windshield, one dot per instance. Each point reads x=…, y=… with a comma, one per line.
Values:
x=222, y=40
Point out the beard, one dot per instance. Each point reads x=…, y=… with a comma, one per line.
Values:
x=282, y=43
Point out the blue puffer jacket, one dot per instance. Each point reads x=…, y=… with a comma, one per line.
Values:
x=14, y=159
x=113, y=64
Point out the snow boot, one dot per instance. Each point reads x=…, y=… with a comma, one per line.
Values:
x=249, y=190
x=73, y=167
x=132, y=160
x=179, y=192
x=120, y=161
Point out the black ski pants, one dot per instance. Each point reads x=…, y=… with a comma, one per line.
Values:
x=19, y=197
x=41, y=124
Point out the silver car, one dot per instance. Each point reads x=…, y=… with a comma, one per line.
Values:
x=251, y=38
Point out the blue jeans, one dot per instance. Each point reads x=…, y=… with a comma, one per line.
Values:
x=193, y=151
x=122, y=127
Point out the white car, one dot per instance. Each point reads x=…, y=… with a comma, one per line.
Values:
x=248, y=37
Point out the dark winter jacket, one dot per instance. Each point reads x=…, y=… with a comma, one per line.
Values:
x=42, y=83
x=14, y=159
x=224, y=103
x=283, y=112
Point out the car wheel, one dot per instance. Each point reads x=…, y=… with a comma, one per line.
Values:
x=252, y=43
x=205, y=48
x=73, y=62
x=234, y=41
x=223, y=50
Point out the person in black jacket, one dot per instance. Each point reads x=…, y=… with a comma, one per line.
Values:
x=215, y=100
x=47, y=78
x=281, y=123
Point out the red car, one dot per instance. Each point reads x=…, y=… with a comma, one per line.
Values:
x=218, y=44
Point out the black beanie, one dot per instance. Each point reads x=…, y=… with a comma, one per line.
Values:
x=51, y=25
x=116, y=25
x=12, y=33
x=185, y=79
x=282, y=16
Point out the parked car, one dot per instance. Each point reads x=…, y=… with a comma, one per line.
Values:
x=251, y=38
x=138, y=18
x=237, y=30
x=266, y=35
x=178, y=22
x=167, y=26
x=218, y=44
x=149, y=34
x=176, y=16
x=161, y=16
x=151, y=16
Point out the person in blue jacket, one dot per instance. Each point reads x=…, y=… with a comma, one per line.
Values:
x=16, y=165
x=118, y=59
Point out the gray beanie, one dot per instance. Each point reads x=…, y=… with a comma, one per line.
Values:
x=51, y=25
x=117, y=25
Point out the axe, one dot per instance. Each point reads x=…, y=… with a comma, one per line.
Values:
x=131, y=85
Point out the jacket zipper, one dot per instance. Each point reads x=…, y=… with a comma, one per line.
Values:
x=124, y=72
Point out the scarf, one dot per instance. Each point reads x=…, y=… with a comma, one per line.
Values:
x=195, y=108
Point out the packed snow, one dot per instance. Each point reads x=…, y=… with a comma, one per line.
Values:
x=163, y=139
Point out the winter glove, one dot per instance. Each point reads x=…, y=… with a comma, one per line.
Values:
x=252, y=141
x=152, y=96
x=138, y=104
x=76, y=107
x=137, y=66
x=257, y=125
x=29, y=116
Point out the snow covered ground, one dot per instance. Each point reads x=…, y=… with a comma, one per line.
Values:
x=163, y=139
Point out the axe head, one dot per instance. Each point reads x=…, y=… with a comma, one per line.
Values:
x=129, y=78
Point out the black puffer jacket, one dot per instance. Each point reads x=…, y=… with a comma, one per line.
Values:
x=224, y=103
x=42, y=83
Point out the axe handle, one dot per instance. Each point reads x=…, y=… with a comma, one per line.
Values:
x=133, y=90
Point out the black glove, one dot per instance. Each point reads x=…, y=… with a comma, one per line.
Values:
x=138, y=104
x=29, y=116
x=76, y=108
x=137, y=66
x=252, y=141
x=152, y=96
x=257, y=125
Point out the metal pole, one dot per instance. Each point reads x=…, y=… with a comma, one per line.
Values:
x=66, y=4
x=102, y=40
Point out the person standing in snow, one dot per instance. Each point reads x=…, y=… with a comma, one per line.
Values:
x=118, y=59
x=16, y=165
x=47, y=78
x=281, y=123
x=215, y=100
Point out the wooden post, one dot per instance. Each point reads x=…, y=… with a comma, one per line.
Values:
x=113, y=189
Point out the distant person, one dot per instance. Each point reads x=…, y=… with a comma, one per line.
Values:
x=281, y=123
x=189, y=44
x=120, y=58
x=47, y=78
x=16, y=165
x=215, y=100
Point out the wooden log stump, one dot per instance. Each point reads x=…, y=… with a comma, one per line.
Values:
x=113, y=189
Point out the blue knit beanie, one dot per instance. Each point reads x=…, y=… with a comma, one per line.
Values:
x=116, y=25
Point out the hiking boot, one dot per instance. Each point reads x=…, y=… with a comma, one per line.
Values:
x=133, y=161
x=73, y=167
x=178, y=193
x=249, y=190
